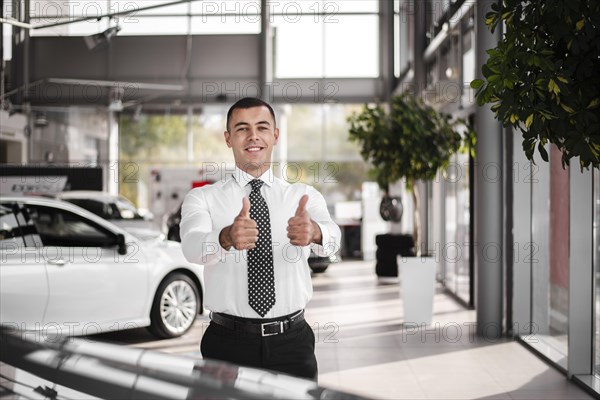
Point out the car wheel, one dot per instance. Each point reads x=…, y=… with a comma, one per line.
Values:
x=176, y=304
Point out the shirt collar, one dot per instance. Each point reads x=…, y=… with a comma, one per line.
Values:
x=243, y=178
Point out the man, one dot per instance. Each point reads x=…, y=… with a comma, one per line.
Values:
x=253, y=232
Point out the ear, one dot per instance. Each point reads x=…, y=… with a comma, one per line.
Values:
x=227, y=136
x=276, y=134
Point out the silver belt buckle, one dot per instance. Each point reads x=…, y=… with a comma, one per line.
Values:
x=263, y=325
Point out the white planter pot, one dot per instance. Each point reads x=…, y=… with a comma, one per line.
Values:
x=417, y=288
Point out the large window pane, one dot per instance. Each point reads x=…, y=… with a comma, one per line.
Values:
x=596, y=256
x=305, y=133
x=306, y=47
x=455, y=251
x=549, y=252
x=209, y=142
x=327, y=8
x=82, y=28
x=352, y=52
x=298, y=47
x=225, y=24
x=138, y=25
x=240, y=7
x=124, y=5
x=7, y=41
x=43, y=11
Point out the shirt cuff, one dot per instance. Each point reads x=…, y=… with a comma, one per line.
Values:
x=328, y=246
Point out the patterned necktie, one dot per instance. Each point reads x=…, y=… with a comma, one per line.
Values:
x=261, y=281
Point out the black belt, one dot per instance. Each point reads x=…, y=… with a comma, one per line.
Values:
x=272, y=327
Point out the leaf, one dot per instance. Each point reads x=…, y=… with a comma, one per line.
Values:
x=553, y=87
x=477, y=83
x=528, y=121
x=543, y=151
x=567, y=108
x=593, y=104
x=580, y=24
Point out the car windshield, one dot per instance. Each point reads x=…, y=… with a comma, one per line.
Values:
x=125, y=209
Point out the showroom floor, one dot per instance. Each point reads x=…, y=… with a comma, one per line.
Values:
x=362, y=346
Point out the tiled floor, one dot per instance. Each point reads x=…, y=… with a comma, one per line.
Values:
x=363, y=347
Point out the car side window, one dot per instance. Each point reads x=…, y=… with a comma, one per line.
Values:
x=58, y=227
x=16, y=227
x=97, y=207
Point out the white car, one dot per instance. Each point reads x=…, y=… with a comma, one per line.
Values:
x=66, y=271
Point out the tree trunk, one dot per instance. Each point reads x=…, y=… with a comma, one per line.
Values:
x=416, y=217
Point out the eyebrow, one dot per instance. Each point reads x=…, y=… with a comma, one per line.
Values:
x=246, y=123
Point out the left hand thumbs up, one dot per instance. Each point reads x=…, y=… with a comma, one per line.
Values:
x=301, y=228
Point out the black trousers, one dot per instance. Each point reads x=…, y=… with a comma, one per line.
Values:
x=292, y=352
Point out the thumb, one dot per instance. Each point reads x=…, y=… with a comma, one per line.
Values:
x=302, y=205
x=245, y=213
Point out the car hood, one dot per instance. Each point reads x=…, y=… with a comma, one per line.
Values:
x=110, y=371
x=146, y=234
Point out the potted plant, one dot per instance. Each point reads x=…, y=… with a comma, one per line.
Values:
x=409, y=140
x=543, y=78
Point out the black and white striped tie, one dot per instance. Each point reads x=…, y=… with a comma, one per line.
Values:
x=261, y=280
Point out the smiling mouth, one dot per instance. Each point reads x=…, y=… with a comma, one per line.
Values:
x=254, y=149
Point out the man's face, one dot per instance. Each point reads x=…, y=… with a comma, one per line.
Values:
x=252, y=135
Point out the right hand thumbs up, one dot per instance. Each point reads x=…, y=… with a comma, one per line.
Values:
x=243, y=233
x=245, y=213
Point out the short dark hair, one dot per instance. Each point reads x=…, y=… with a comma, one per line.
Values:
x=249, y=102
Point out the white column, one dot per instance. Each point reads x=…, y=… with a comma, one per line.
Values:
x=112, y=183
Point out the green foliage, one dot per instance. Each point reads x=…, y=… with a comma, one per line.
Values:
x=150, y=135
x=412, y=141
x=544, y=76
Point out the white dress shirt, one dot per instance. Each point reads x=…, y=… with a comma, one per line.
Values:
x=207, y=210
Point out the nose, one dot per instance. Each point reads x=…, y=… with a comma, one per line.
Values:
x=252, y=134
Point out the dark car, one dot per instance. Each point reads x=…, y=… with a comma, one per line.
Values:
x=73, y=368
x=316, y=263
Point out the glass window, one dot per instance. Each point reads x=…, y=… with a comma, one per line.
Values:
x=209, y=142
x=455, y=251
x=62, y=228
x=596, y=257
x=351, y=52
x=249, y=8
x=155, y=25
x=326, y=128
x=298, y=48
x=7, y=41
x=82, y=28
x=325, y=8
x=227, y=24
x=549, y=252
x=16, y=228
x=331, y=163
x=311, y=47
x=125, y=5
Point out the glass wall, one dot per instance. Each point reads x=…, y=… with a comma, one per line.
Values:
x=200, y=17
x=317, y=150
x=320, y=39
x=596, y=256
x=548, y=256
x=455, y=252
